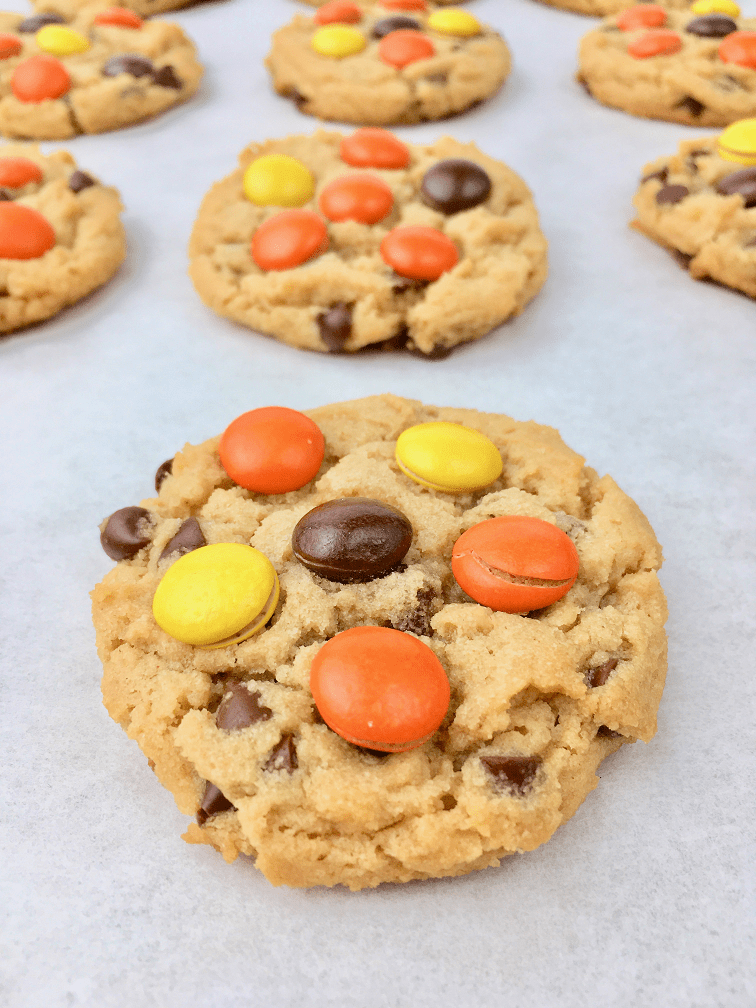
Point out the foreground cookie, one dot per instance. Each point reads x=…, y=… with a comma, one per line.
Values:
x=444, y=669
x=60, y=234
x=701, y=204
x=384, y=244
x=683, y=67
x=69, y=9
x=376, y=67
x=99, y=72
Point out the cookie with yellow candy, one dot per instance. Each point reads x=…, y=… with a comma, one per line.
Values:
x=448, y=457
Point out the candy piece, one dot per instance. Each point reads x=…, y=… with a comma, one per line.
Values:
x=128, y=63
x=403, y=47
x=655, y=43
x=18, y=171
x=335, y=326
x=39, y=78
x=454, y=22
x=189, y=537
x=213, y=802
x=374, y=148
x=9, y=46
x=119, y=17
x=644, y=16
x=455, y=185
x=216, y=595
x=738, y=142
x=164, y=470
x=380, y=688
x=278, y=180
x=343, y=11
x=240, y=708
x=739, y=48
x=352, y=539
x=289, y=239
x=448, y=457
x=79, y=180
x=716, y=7
x=31, y=25
x=711, y=26
x=383, y=28
x=415, y=5
x=272, y=450
x=515, y=564
x=741, y=182
x=126, y=532
x=420, y=253
x=511, y=773
x=61, y=41
x=363, y=198
x=24, y=233
x=338, y=41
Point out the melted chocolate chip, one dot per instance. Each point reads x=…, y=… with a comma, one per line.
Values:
x=417, y=620
x=455, y=185
x=711, y=26
x=80, y=180
x=163, y=470
x=36, y=21
x=240, y=708
x=741, y=182
x=128, y=63
x=692, y=105
x=283, y=756
x=126, y=532
x=661, y=174
x=605, y=732
x=5, y=195
x=352, y=539
x=598, y=676
x=213, y=801
x=398, y=23
x=167, y=77
x=512, y=773
x=672, y=194
x=336, y=326
x=189, y=537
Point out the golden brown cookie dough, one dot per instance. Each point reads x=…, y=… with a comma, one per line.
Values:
x=89, y=239
x=555, y=690
x=603, y=8
x=71, y=8
x=502, y=261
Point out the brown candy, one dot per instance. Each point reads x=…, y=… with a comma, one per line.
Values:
x=163, y=470
x=512, y=773
x=672, y=194
x=213, y=801
x=352, y=539
x=128, y=63
x=711, y=26
x=398, y=23
x=455, y=185
x=36, y=21
x=240, y=708
x=189, y=537
x=741, y=182
x=80, y=180
x=126, y=532
x=335, y=326
x=598, y=676
x=283, y=756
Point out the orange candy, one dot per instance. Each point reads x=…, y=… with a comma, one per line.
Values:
x=18, y=171
x=362, y=198
x=24, y=233
x=400, y=48
x=380, y=688
x=503, y=563
x=272, y=450
x=655, y=43
x=9, y=46
x=374, y=148
x=740, y=48
x=119, y=17
x=645, y=16
x=289, y=239
x=420, y=253
x=39, y=78
x=338, y=11
x=416, y=5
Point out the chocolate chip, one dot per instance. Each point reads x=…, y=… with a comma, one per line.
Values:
x=241, y=708
x=691, y=162
x=661, y=174
x=455, y=185
x=167, y=77
x=336, y=326
x=398, y=23
x=189, y=537
x=163, y=470
x=283, y=756
x=37, y=21
x=711, y=26
x=352, y=539
x=417, y=620
x=128, y=63
x=437, y=352
x=437, y=78
x=605, y=732
x=750, y=244
x=691, y=105
x=672, y=194
x=681, y=258
x=126, y=532
x=403, y=284
x=213, y=801
x=512, y=773
x=5, y=195
x=297, y=97
x=598, y=676
x=741, y=182
x=80, y=180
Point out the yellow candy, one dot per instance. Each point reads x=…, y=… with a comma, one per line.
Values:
x=338, y=41
x=448, y=457
x=738, y=142
x=61, y=41
x=216, y=595
x=278, y=180
x=454, y=22
x=716, y=7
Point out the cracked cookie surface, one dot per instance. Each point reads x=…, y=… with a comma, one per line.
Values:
x=537, y=701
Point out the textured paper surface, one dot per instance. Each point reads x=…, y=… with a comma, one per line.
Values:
x=645, y=897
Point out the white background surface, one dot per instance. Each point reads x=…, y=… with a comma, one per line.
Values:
x=643, y=898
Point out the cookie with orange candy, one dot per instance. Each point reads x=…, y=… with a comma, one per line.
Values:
x=339, y=243
x=696, y=67
x=98, y=70
x=386, y=64
x=61, y=235
x=380, y=641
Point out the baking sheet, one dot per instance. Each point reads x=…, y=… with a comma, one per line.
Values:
x=645, y=897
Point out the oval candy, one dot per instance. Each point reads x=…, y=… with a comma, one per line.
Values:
x=716, y=7
x=642, y=16
x=448, y=457
x=711, y=26
x=61, y=41
x=363, y=198
x=278, y=180
x=24, y=232
x=739, y=48
x=18, y=171
x=400, y=48
x=118, y=17
x=738, y=142
x=374, y=148
x=39, y=78
x=383, y=28
x=9, y=46
x=455, y=185
x=655, y=43
x=454, y=22
x=742, y=183
x=414, y=5
x=420, y=253
x=289, y=239
x=338, y=41
x=336, y=11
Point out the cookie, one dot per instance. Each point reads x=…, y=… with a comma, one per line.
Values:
x=697, y=69
x=702, y=207
x=367, y=196
x=489, y=747
x=61, y=235
x=605, y=8
x=98, y=72
x=382, y=68
x=69, y=9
